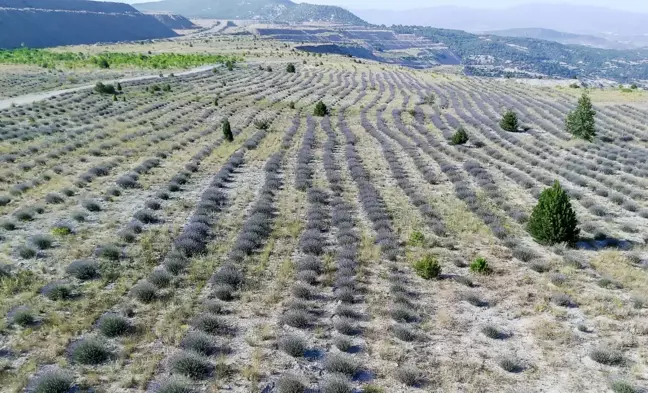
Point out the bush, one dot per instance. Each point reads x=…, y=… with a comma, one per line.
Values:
x=553, y=219
x=22, y=317
x=493, y=332
x=112, y=325
x=581, y=122
x=623, y=387
x=341, y=364
x=416, y=239
x=146, y=216
x=57, y=291
x=428, y=267
x=90, y=205
x=191, y=365
x=290, y=68
x=321, y=109
x=212, y=324
x=4, y=200
x=480, y=265
x=607, y=357
x=511, y=365
x=62, y=229
x=144, y=291
x=336, y=384
x=291, y=383
x=227, y=131
x=294, y=346
x=109, y=252
x=105, y=89
x=42, y=242
x=510, y=122
x=8, y=225
x=174, y=385
x=160, y=278
x=27, y=252
x=404, y=333
x=83, y=270
x=54, y=381
x=262, y=124
x=199, y=342
x=299, y=319
x=409, y=376
x=90, y=351
x=460, y=137
x=54, y=198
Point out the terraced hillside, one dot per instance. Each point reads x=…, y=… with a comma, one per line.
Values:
x=144, y=252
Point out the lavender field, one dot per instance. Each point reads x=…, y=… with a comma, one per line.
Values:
x=141, y=251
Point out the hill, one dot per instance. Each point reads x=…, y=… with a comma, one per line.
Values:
x=491, y=55
x=266, y=10
x=569, y=18
x=562, y=37
x=174, y=21
x=46, y=23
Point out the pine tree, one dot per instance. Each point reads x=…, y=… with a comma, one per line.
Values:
x=320, y=109
x=119, y=87
x=290, y=68
x=460, y=137
x=227, y=131
x=580, y=122
x=553, y=220
x=510, y=121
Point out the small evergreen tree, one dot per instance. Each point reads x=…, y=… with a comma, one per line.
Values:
x=119, y=87
x=227, y=131
x=510, y=121
x=460, y=137
x=290, y=68
x=215, y=101
x=114, y=97
x=580, y=122
x=292, y=105
x=230, y=65
x=553, y=220
x=321, y=109
x=428, y=267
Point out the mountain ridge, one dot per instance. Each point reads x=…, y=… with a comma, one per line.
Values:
x=267, y=10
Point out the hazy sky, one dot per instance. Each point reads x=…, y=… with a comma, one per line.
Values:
x=630, y=5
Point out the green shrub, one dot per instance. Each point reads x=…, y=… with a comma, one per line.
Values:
x=54, y=381
x=291, y=105
x=509, y=121
x=23, y=317
x=428, y=267
x=90, y=351
x=290, y=383
x=227, y=131
x=105, y=89
x=290, y=68
x=480, y=265
x=623, y=387
x=460, y=137
x=416, y=239
x=580, y=122
x=191, y=365
x=112, y=325
x=553, y=220
x=321, y=109
x=174, y=385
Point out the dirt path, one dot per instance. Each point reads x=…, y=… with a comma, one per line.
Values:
x=34, y=97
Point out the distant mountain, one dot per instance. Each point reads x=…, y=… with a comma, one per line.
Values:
x=578, y=19
x=561, y=37
x=266, y=10
x=46, y=23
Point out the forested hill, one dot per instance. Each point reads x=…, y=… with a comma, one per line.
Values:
x=493, y=55
x=46, y=23
x=265, y=10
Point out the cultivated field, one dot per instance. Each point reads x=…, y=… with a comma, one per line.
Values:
x=142, y=252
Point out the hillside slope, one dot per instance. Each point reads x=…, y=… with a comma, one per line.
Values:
x=174, y=21
x=561, y=37
x=45, y=23
x=267, y=10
